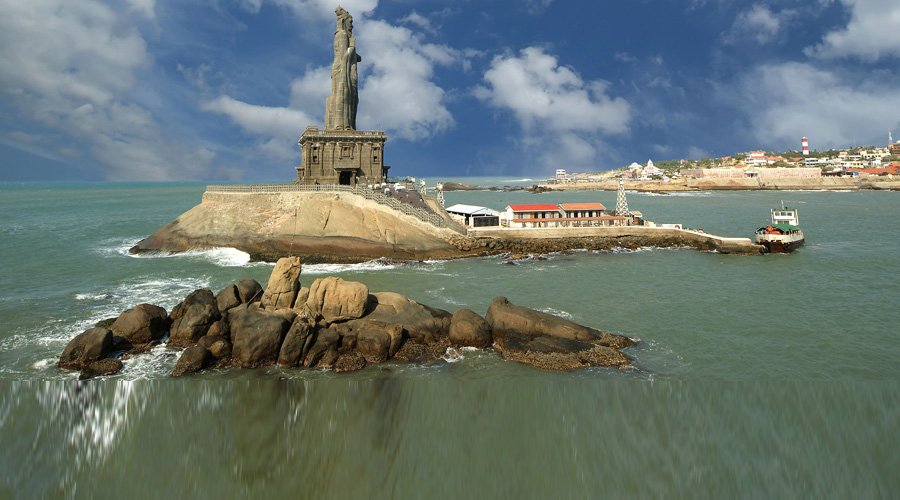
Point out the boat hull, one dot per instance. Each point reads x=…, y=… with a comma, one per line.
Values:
x=780, y=245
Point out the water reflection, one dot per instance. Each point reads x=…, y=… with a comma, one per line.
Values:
x=384, y=434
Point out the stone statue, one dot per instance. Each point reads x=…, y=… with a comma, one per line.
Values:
x=340, y=106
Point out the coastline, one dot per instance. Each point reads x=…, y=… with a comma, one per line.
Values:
x=730, y=184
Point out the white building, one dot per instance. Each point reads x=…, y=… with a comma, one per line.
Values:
x=474, y=216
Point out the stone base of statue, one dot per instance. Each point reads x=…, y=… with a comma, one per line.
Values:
x=347, y=157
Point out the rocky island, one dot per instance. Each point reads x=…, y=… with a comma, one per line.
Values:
x=331, y=325
x=341, y=207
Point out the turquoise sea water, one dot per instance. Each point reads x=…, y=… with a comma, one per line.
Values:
x=771, y=376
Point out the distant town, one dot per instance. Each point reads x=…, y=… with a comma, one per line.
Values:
x=860, y=161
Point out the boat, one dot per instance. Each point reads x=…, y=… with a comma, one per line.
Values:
x=783, y=235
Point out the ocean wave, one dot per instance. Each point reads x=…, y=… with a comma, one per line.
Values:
x=220, y=256
x=55, y=333
x=158, y=362
x=91, y=296
x=370, y=265
x=438, y=294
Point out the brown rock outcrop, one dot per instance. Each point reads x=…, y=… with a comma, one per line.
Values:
x=334, y=299
x=91, y=345
x=192, y=360
x=337, y=325
x=423, y=323
x=284, y=282
x=249, y=291
x=227, y=298
x=296, y=343
x=142, y=324
x=101, y=367
x=256, y=335
x=469, y=329
x=192, y=318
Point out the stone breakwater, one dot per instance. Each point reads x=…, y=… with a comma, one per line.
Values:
x=548, y=240
x=334, y=325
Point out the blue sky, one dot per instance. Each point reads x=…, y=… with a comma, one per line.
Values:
x=221, y=89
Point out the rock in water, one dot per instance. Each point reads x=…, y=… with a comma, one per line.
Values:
x=504, y=317
x=107, y=366
x=469, y=329
x=349, y=362
x=324, y=350
x=193, y=317
x=292, y=349
x=192, y=360
x=227, y=298
x=91, y=345
x=335, y=300
x=141, y=324
x=256, y=335
x=217, y=345
x=551, y=343
x=373, y=343
x=284, y=282
x=422, y=323
x=249, y=291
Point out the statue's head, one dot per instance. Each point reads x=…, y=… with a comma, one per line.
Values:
x=344, y=19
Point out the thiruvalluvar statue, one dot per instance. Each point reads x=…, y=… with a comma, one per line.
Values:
x=340, y=106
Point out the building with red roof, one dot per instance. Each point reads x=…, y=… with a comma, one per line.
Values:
x=560, y=215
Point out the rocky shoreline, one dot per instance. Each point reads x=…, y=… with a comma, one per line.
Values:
x=331, y=325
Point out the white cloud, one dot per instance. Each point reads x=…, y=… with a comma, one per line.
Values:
x=543, y=94
x=398, y=93
x=418, y=20
x=145, y=7
x=562, y=116
x=872, y=33
x=786, y=101
x=69, y=67
x=264, y=120
x=321, y=8
x=760, y=24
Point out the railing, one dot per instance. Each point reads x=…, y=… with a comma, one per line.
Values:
x=369, y=194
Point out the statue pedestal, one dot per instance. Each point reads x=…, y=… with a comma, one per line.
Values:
x=347, y=157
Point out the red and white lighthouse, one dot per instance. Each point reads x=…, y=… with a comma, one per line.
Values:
x=804, y=144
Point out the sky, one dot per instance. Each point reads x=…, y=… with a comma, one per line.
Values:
x=159, y=90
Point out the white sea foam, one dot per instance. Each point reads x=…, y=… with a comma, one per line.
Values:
x=157, y=362
x=452, y=355
x=557, y=312
x=91, y=296
x=55, y=333
x=44, y=363
x=438, y=294
x=221, y=256
x=371, y=265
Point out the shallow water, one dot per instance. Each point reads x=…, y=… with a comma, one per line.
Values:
x=773, y=375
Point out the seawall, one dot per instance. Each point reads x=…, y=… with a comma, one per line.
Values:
x=598, y=238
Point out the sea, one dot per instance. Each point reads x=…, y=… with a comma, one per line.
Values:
x=773, y=376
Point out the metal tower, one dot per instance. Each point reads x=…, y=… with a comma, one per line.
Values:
x=621, y=202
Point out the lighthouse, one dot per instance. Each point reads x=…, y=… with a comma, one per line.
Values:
x=804, y=144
